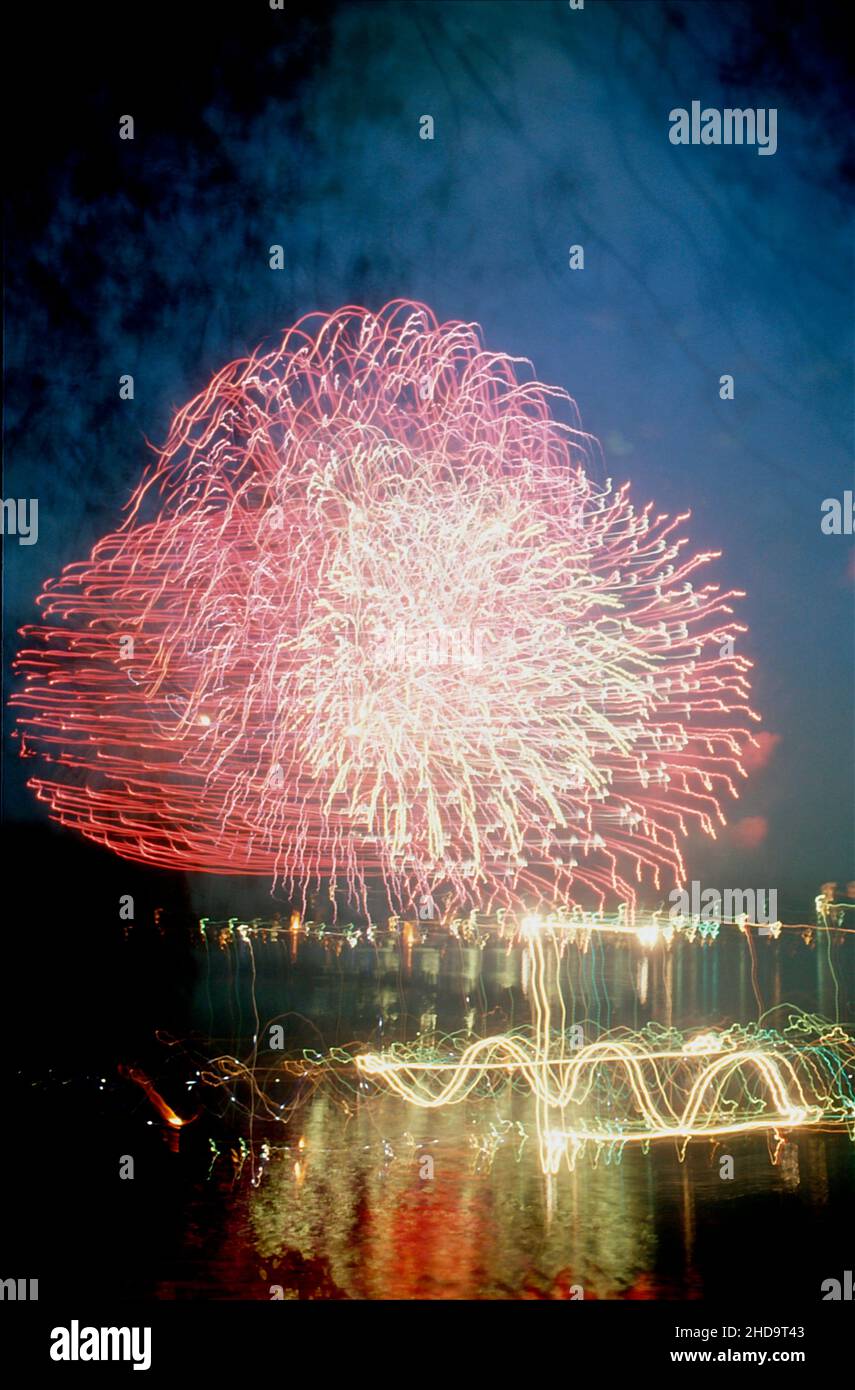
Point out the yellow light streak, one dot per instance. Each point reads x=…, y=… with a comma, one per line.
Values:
x=625, y=1089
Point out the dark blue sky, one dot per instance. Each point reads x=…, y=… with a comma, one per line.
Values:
x=301, y=127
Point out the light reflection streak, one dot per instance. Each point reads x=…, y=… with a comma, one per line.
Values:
x=625, y=1088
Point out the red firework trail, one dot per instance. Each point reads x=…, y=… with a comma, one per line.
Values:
x=369, y=618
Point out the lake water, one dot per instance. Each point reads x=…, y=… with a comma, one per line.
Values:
x=296, y=1188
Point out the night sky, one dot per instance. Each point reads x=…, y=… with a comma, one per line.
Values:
x=301, y=127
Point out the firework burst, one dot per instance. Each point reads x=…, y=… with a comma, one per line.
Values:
x=370, y=618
